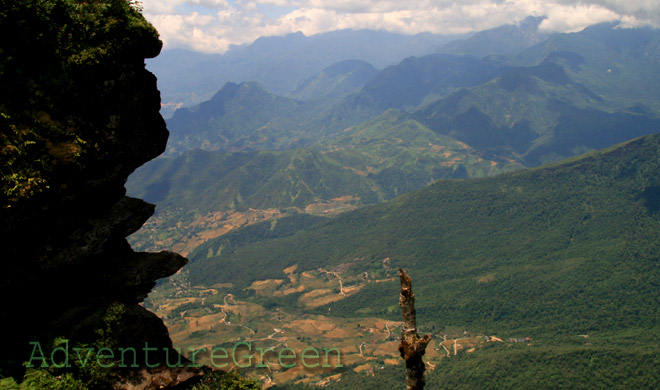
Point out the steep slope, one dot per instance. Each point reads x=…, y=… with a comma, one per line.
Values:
x=279, y=63
x=239, y=117
x=569, y=248
x=408, y=83
x=377, y=160
x=335, y=81
x=503, y=40
x=537, y=113
x=404, y=86
x=620, y=64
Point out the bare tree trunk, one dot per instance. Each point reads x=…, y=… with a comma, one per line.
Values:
x=412, y=347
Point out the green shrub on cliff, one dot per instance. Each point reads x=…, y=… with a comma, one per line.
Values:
x=79, y=370
x=49, y=107
x=78, y=112
x=219, y=380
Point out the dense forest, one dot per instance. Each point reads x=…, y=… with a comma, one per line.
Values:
x=553, y=253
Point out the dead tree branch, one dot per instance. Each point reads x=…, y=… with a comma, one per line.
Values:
x=412, y=347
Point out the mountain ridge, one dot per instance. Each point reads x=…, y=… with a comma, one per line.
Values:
x=538, y=112
x=560, y=259
x=335, y=81
x=414, y=229
x=503, y=40
x=269, y=61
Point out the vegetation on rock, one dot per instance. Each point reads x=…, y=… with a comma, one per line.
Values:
x=50, y=126
x=75, y=123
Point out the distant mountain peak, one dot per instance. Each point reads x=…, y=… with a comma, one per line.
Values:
x=502, y=40
x=230, y=90
x=531, y=22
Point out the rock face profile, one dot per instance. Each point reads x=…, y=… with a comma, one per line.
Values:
x=78, y=113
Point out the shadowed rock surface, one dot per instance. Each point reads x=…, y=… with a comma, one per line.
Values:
x=74, y=126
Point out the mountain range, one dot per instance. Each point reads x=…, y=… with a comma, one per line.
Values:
x=473, y=167
x=503, y=40
x=557, y=238
x=379, y=134
x=281, y=64
x=551, y=253
x=537, y=91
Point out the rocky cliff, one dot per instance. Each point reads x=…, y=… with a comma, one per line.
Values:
x=78, y=113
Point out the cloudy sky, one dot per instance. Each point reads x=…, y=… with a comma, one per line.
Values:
x=212, y=25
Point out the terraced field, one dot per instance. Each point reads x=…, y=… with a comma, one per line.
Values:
x=259, y=336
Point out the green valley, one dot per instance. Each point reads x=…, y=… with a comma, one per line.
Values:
x=544, y=267
x=377, y=160
x=563, y=242
x=534, y=256
x=373, y=136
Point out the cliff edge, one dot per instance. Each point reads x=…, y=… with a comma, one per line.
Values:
x=78, y=113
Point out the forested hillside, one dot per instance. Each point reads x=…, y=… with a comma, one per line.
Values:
x=568, y=242
x=553, y=254
x=360, y=136
x=534, y=256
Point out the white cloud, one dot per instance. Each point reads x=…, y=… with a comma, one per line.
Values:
x=208, y=3
x=189, y=31
x=212, y=25
x=575, y=18
x=646, y=11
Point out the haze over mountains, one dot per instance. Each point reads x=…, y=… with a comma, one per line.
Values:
x=526, y=234
x=605, y=68
x=454, y=116
x=280, y=64
x=503, y=40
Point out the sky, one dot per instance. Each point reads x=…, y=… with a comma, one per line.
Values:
x=211, y=26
